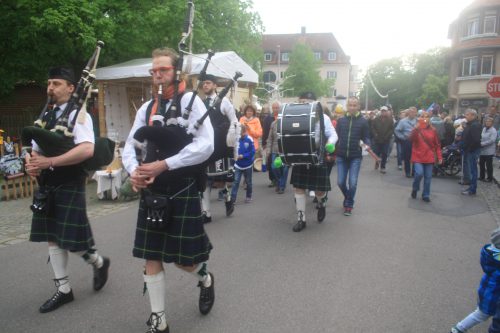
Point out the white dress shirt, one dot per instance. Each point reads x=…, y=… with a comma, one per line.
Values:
x=330, y=132
x=194, y=153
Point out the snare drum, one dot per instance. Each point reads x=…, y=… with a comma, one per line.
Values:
x=296, y=133
x=219, y=167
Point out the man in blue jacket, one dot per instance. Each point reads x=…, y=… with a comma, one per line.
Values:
x=351, y=129
x=243, y=166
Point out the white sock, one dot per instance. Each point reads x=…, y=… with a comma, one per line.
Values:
x=201, y=273
x=59, y=262
x=300, y=204
x=91, y=257
x=156, y=291
x=205, y=201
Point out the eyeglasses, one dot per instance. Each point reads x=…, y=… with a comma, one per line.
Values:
x=162, y=70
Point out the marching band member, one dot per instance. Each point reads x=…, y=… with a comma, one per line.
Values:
x=312, y=177
x=63, y=223
x=224, y=118
x=183, y=240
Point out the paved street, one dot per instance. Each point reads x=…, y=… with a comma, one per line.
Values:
x=396, y=265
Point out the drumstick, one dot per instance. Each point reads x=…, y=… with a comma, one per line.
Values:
x=370, y=151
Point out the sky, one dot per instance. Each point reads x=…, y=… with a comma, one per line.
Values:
x=367, y=30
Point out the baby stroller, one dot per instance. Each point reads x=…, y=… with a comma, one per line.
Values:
x=452, y=160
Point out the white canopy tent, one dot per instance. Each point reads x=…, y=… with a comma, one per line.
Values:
x=124, y=87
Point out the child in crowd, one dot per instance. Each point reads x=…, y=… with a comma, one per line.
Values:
x=489, y=287
x=244, y=165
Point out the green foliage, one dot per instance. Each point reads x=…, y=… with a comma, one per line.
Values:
x=303, y=74
x=38, y=34
x=420, y=80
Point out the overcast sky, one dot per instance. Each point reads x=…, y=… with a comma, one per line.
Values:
x=367, y=30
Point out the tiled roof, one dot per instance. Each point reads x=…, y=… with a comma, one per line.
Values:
x=318, y=42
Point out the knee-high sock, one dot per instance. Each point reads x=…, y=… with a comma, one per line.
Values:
x=59, y=262
x=201, y=273
x=91, y=257
x=205, y=201
x=300, y=203
x=156, y=290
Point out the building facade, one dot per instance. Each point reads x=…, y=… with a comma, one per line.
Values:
x=335, y=63
x=474, y=57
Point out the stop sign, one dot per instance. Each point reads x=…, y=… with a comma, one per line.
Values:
x=493, y=87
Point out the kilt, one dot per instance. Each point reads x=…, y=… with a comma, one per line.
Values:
x=311, y=177
x=184, y=240
x=68, y=226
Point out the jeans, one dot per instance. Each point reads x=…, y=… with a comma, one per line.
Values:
x=352, y=167
x=495, y=322
x=399, y=153
x=471, y=160
x=280, y=174
x=381, y=149
x=406, y=150
x=466, y=170
x=423, y=170
x=236, y=184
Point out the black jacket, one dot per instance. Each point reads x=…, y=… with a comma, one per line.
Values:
x=471, y=136
x=350, y=130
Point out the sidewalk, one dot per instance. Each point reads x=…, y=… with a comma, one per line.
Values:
x=15, y=215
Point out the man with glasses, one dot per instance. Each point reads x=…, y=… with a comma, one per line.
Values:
x=182, y=240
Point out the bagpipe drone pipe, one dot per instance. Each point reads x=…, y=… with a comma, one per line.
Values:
x=59, y=140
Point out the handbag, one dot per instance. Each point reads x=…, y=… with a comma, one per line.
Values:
x=159, y=211
x=436, y=158
x=42, y=202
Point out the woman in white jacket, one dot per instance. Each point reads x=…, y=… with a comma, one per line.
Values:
x=488, y=140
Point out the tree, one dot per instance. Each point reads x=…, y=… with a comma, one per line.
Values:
x=420, y=80
x=38, y=34
x=303, y=73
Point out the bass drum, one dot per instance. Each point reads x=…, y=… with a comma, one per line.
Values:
x=219, y=167
x=297, y=135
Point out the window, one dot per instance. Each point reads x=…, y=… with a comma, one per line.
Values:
x=472, y=27
x=268, y=57
x=331, y=75
x=317, y=55
x=269, y=76
x=284, y=56
x=487, y=65
x=469, y=66
x=490, y=24
x=332, y=56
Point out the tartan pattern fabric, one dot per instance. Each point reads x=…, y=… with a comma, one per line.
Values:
x=184, y=240
x=311, y=177
x=489, y=287
x=68, y=226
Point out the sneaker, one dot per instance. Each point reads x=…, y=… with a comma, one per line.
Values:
x=377, y=164
x=467, y=192
x=312, y=194
x=154, y=323
x=382, y=170
x=414, y=194
x=248, y=200
x=56, y=301
x=281, y=191
x=426, y=199
x=400, y=167
x=101, y=274
x=347, y=211
x=454, y=329
x=207, y=296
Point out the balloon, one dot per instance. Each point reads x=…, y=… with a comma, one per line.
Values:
x=330, y=148
x=277, y=163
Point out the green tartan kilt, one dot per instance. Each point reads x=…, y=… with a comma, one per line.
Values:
x=311, y=177
x=184, y=240
x=68, y=226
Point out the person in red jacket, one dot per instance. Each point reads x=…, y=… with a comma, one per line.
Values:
x=426, y=151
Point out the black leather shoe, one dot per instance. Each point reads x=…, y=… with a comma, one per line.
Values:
x=414, y=194
x=299, y=226
x=321, y=212
x=153, y=322
x=206, y=219
x=229, y=208
x=56, y=301
x=207, y=296
x=101, y=274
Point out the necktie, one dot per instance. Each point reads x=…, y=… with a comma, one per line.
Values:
x=207, y=102
x=52, y=119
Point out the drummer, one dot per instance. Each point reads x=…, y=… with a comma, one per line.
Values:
x=225, y=117
x=312, y=177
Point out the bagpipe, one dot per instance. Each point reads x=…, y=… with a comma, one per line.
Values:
x=167, y=138
x=59, y=140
